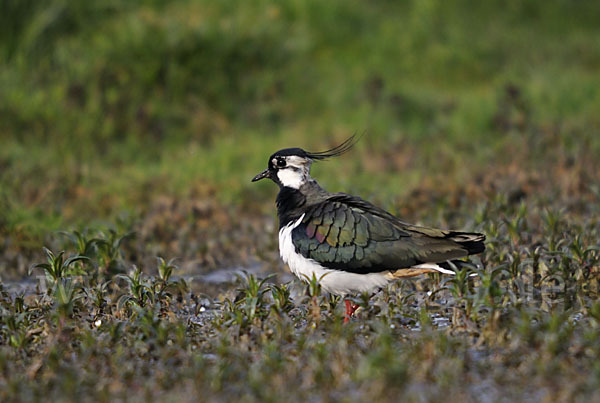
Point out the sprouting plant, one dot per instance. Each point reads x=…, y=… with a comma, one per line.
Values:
x=252, y=295
x=16, y=328
x=231, y=313
x=514, y=266
x=57, y=267
x=160, y=286
x=15, y=320
x=333, y=301
x=249, y=303
x=313, y=290
x=517, y=224
x=97, y=295
x=489, y=290
x=552, y=220
x=459, y=282
x=19, y=303
x=459, y=287
x=313, y=285
x=281, y=299
x=139, y=291
x=109, y=251
x=84, y=245
x=66, y=293
x=165, y=269
x=582, y=254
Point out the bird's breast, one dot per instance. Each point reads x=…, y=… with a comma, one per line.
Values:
x=334, y=281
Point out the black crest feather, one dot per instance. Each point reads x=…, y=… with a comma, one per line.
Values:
x=335, y=151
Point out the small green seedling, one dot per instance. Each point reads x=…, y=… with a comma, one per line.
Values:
x=140, y=293
x=57, y=267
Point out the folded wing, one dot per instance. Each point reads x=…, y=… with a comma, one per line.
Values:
x=347, y=233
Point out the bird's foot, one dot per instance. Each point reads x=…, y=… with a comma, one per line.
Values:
x=350, y=309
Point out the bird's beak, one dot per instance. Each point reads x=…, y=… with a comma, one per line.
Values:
x=262, y=175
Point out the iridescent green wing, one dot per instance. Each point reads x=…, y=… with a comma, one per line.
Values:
x=350, y=234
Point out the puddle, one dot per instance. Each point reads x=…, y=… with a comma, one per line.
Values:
x=437, y=321
x=226, y=275
x=25, y=287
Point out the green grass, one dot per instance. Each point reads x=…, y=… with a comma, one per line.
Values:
x=151, y=117
x=109, y=97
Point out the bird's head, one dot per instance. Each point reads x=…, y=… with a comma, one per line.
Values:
x=290, y=167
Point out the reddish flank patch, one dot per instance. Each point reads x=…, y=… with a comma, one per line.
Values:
x=310, y=230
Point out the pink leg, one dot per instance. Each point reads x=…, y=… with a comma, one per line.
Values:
x=350, y=309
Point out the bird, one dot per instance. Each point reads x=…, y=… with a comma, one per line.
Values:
x=350, y=245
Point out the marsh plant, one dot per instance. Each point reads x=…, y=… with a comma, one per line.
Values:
x=58, y=268
x=531, y=305
x=143, y=290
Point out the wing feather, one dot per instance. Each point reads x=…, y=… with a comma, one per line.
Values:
x=347, y=233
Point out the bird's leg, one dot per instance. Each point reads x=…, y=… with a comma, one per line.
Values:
x=350, y=309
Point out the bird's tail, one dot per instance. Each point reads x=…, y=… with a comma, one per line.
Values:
x=471, y=241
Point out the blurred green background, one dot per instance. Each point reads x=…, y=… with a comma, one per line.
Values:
x=109, y=108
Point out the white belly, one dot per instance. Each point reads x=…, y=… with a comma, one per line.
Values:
x=333, y=281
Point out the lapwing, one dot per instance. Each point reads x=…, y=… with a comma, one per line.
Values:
x=349, y=244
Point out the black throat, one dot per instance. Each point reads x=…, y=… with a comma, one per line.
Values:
x=291, y=203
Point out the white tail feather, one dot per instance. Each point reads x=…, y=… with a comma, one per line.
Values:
x=433, y=266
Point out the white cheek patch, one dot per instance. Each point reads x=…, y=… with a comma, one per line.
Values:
x=297, y=161
x=291, y=177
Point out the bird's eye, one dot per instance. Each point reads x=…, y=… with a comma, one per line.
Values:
x=280, y=162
